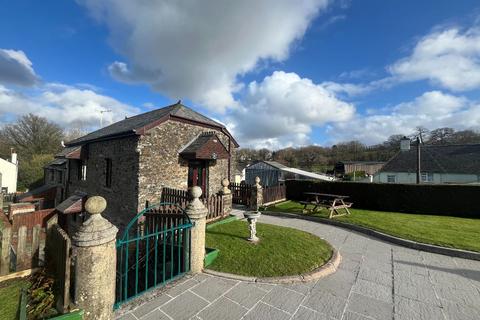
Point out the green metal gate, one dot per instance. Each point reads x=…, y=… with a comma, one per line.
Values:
x=154, y=249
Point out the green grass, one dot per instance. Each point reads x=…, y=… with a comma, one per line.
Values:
x=10, y=297
x=460, y=233
x=281, y=251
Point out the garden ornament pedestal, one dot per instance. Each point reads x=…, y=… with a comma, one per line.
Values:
x=252, y=223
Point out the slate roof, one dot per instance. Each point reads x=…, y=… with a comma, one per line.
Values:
x=463, y=159
x=132, y=125
x=204, y=146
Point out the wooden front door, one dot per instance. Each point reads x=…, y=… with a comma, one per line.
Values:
x=198, y=175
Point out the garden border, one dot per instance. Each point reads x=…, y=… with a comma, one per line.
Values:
x=328, y=268
x=458, y=253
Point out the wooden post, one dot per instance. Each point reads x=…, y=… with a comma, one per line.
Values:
x=5, y=238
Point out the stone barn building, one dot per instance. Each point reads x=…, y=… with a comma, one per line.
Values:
x=129, y=162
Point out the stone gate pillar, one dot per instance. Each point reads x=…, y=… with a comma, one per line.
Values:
x=95, y=263
x=256, y=199
x=227, y=197
x=197, y=213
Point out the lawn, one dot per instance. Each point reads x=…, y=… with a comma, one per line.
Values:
x=10, y=297
x=460, y=233
x=281, y=251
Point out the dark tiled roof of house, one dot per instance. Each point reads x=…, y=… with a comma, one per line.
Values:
x=130, y=125
x=463, y=159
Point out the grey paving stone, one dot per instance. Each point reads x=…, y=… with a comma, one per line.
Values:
x=466, y=296
x=155, y=315
x=127, y=316
x=201, y=277
x=383, y=278
x=246, y=294
x=452, y=279
x=308, y=314
x=184, y=306
x=454, y=311
x=284, y=299
x=339, y=283
x=326, y=303
x=223, y=309
x=265, y=312
x=370, y=307
x=354, y=316
x=213, y=287
x=265, y=286
x=181, y=287
x=349, y=264
x=151, y=305
x=374, y=290
x=406, y=267
x=420, y=290
x=377, y=265
x=303, y=288
x=408, y=309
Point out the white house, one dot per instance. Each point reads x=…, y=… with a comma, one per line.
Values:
x=458, y=164
x=8, y=174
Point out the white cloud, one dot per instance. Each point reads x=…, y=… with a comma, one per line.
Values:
x=197, y=49
x=65, y=105
x=282, y=109
x=16, y=68
x=433, y=109
x=449, y=58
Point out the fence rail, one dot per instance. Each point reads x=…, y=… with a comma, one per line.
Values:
x=214, y=203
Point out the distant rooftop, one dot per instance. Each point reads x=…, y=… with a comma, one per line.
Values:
x=135, y=124
x=463, y=159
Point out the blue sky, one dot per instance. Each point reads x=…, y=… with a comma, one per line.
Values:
x=278, y=73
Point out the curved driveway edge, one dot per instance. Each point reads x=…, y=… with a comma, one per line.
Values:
x=328, y=268
x=458, y=253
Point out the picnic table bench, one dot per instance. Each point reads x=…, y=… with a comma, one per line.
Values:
x=332, y=202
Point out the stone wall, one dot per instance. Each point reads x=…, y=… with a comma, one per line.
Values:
x=122, y=196
x=161, y=166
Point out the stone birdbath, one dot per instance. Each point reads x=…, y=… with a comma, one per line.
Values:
x=252, y=217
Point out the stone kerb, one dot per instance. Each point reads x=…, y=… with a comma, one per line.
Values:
x=197, y=212
x=95, y=263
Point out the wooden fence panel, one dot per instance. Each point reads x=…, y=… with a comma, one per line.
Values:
x=274, y=193
x=241, y=193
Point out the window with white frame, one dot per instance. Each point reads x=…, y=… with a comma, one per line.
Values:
x=391, y=178
x=427, y=177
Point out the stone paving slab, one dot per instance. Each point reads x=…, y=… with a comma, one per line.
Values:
x=376, y=280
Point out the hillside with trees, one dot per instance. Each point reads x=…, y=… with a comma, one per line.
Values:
x=320, y=159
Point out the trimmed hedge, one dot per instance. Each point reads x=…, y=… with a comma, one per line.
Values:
x=448, y=200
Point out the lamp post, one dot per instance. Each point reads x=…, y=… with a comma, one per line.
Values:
x=419, y=175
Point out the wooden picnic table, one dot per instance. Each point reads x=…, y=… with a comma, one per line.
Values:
x=333, y=202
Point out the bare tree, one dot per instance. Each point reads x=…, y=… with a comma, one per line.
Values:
x=32, y=135
x=422, y=133
x=441, y=136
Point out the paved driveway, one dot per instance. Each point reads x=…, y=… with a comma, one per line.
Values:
x=376, y=280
